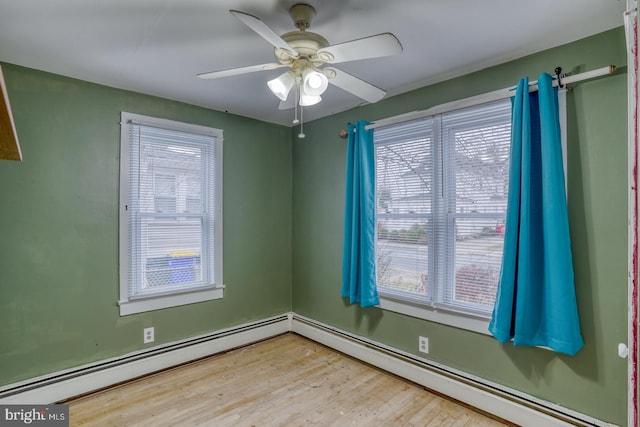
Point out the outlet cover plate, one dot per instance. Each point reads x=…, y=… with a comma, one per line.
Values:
x=148, y=335
x=423, y=344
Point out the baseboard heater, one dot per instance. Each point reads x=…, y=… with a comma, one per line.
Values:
x=508, y=404
x=87, y=378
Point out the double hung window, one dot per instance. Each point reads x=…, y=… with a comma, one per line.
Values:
x=170, y=214
x=441, y=198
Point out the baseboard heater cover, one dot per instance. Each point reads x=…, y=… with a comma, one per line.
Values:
x=87, y=378
x=508, y=404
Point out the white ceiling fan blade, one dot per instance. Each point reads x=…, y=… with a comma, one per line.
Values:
x=263, y=31
x=241, y=70
x=385, y=44
x=354, y=85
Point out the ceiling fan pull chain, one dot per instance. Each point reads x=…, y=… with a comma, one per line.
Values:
x=301, y=135
x=295, y=110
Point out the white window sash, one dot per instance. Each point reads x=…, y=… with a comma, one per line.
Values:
x=134, y=300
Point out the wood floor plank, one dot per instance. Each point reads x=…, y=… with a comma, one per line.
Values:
x=285, y=381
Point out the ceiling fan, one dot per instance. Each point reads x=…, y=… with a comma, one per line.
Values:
x=307, y=54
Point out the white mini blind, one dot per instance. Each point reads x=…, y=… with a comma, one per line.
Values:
x=441, y=192
x=171, y=210
x=404, y=185
x=476, y=146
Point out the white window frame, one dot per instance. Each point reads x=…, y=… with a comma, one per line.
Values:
x=213, y=288
x=430, y=310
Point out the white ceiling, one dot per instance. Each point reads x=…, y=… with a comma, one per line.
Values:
x=158, y=46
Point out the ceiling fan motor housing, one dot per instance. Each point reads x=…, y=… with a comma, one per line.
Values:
x=302, y=15
x=305, y=43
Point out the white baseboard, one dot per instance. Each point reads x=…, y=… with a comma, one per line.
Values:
x=495, y=399
x=63, y=385
x=511, y=405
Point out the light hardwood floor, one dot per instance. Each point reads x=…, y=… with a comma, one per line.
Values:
x=285, y=381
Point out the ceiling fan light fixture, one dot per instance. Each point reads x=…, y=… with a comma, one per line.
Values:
x=314, y=83
x=307, y=100
x=281, y=85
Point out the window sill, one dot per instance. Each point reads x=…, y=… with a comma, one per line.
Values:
x=445, y=317
x=156, y=303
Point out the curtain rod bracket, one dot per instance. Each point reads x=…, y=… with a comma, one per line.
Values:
x=559, y=76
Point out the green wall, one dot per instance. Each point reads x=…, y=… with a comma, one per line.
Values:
x=594, y=381
x=283, y=207
x=59, y=226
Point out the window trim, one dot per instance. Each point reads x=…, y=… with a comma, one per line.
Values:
x=432, y=313
x=138, y=304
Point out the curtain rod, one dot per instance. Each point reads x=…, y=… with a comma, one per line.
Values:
x=483, y=98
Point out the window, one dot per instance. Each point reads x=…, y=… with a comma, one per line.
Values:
x=441, y=198
x=170, y=214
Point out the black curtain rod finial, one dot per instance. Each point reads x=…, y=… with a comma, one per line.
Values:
x=559, y=76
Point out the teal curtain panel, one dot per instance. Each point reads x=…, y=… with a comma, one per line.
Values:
x=359, y=254
x=536, y=302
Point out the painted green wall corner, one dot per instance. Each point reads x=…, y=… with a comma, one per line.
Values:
x=594, y=381
x=59, y=226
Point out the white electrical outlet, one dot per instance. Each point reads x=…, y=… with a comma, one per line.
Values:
x=148, y=335
x=423, y=344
